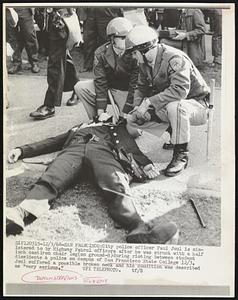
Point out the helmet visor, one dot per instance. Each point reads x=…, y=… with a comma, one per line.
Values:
x=143, y=48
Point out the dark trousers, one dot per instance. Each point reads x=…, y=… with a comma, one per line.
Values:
x=61, y=73
x=107, y=172
x=216, y=27
x=94, y=36
x=23, y=35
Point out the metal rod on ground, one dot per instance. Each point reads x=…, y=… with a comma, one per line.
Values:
x=114, y=106
x=116, y=192
x=198, y=214
x=210, y=117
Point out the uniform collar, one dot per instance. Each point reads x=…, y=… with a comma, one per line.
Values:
x=156, y=67
x=158, y=59
x=117, y=52
x=110, y=56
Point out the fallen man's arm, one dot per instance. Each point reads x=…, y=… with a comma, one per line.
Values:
x=45, y=146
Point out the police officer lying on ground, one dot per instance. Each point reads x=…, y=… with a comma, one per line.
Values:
x=170, y=89
x=113, y=70
x=114, y=159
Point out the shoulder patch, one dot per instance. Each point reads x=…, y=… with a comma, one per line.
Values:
x=176, y=63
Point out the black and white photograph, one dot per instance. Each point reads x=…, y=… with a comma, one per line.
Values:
x=113, y=124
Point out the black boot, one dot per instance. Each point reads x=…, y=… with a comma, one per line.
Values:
x=73, y=100
x=159, y=234
x=179, y=161
x=16, y=219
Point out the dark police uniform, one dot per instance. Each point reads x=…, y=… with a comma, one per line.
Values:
x=61, y=72
x=95, y=23
x=91, y=147
x=117, y=73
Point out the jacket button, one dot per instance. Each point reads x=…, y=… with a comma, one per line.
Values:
x=114, y=133
x=117, y=141
x=111, y=128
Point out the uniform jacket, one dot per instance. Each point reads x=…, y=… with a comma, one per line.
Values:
x=174, y=77
x=111, y=71
x=193, y=22
x=119, y=137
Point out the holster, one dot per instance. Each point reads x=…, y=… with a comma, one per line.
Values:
x=130, y=166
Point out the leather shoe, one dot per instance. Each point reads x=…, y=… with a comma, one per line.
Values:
x=14, y=69
x=178, y=163
x=73, y=100
x=159, y=234
x=35, y=68
x=43, y=112
x=16, y=219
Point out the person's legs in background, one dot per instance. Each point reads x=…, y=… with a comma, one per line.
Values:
x=90, y=43
x=55, y=75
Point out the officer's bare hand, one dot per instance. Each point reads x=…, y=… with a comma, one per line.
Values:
x=143, y=107
x=140, y=119
x=104, y=117
x=150, y=171
x=180, y=36
x=14, y=155
x=100, y=111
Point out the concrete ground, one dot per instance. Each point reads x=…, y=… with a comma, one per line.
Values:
x=80, y=213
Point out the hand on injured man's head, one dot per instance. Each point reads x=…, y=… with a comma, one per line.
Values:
x=137, y=117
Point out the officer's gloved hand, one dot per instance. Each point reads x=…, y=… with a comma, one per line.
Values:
x=150, y=171
x=14, y=155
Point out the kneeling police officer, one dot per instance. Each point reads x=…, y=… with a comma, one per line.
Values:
x=170, y=89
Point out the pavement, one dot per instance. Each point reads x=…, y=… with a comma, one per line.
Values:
x=154, y=198
x=25, y=96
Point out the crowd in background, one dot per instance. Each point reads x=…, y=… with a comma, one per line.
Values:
x=32, y=28
x=42, y=32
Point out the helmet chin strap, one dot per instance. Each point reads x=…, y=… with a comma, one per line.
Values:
x=144, y=57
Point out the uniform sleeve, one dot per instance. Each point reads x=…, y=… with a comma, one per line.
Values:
x=49, y=145
x=132, y=86
x=179, y=77
x=139, y=157
x=199, y=26
x=142, y=88
x=100, y=82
